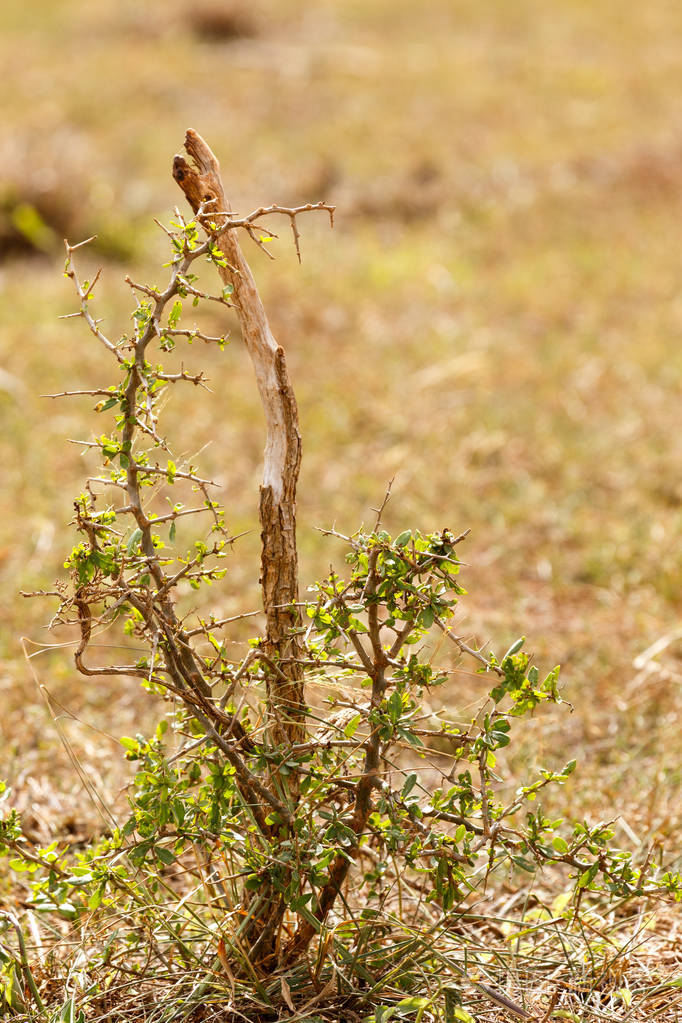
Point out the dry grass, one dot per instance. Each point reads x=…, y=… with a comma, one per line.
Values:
x=496, y=321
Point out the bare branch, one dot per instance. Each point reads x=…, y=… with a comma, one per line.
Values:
x=203, y=188
x=465, y=648
x=84, y=295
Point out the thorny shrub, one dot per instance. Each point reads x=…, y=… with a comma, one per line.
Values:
x=225, y=884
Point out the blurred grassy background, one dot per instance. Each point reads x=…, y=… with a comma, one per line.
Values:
x=495, y=320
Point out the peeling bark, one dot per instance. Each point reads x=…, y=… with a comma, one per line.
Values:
x=202, y=185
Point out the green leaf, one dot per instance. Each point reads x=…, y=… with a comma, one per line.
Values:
x=179, y=812
x=514, y=648
x=382, y=1013
x=410, y=783
x=413, y=1004
x=408, y=736
x=67, y=1013
x=95, y=899
x=426, y=617
x=175, y=314
x=165, y=855
x=352, y=726
x=588, y=876
x=625, y=995
x=129, y=827
x=134, y=540
x=395, y=707
x=404, y=538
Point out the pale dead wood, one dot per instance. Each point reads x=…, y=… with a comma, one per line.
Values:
x=203, y=188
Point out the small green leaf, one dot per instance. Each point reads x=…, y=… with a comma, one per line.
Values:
x=67, y=1013
x=514, y=648
x=95, y=899
x=426, y=617
x=410, y=783
x=175, y=314
x=413, y=1004
x=588, y=876
x=165, y=855
x=134, y=540
x=352, y=726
